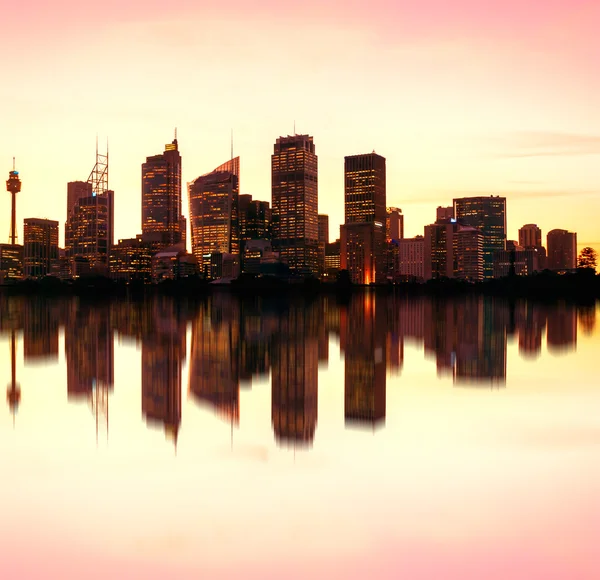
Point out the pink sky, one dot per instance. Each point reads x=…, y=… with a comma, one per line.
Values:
x=463, y=97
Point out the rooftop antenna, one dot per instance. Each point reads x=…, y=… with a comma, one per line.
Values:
x=175, y=133
x=13, y=164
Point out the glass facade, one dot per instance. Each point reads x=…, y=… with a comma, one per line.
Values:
x=214, y=207
x=161, y=197
x=294, y=183
x=488, y=214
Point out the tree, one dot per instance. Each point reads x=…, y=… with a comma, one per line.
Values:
x=588, y=258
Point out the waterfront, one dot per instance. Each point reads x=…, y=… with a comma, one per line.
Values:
x=416, y=438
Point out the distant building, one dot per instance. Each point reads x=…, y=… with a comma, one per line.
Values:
x=254, y=252
x=161, y=198
x=214, y=199
x=363, y=236
x=444, y=213
x=488, y=214
x=323, y=241
x=562, y=250
x=530, y=236
x=11, y=262
x=411, y=262
x=254, y=219
x=332, y=260
x=40, y=247
x=394, y=223
x=223, y=265
x=526, y=261
x=294, y=179
x=173, y=264
x=131, y=259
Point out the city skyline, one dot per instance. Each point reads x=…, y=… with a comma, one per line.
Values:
x=444, y=135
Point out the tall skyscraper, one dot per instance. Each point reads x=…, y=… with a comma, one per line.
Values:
x=394, y=223
x=530, y=236
x=562, y=250
x=214, y=199
x=294, y=189
x=162, y=221
x=40, y=247
x=363, y=233
x=488, y=214
x=90, y=220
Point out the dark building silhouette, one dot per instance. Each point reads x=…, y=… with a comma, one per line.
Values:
x=162, y=221
x=561, y=332
x=562, y=250
x=294, y=182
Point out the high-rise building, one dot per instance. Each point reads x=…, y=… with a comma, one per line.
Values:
x=162, y=221
x=131, y=259
x=40, y=247
x=488, y=214
x=394, y=223
x=411, y=258
x=323, y=241
x=294, y=183
x=444, y=213
x=214, y=223
x=562, y=250
x=530, y=236
x=11, y=262
x=254, y=219
x=363, y=233
x=90, y=220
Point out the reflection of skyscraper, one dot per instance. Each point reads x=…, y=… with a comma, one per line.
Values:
x=364, y=330
x=531, y=323
x=40, y=333
x=163, y=353
x=214, y=364
x=561, y=333
x=294, y=179
x=295, y=362
x=213, y=201
x=162, y=222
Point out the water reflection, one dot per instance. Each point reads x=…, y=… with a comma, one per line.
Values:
x=234, y=342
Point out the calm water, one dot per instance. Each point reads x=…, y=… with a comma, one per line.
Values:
x=376, y=439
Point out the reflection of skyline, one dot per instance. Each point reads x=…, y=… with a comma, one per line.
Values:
x=235, y=341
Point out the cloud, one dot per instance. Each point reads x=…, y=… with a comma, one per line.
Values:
x=547, y=144
x=445, y=197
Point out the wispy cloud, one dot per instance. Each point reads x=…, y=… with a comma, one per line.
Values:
x=546, y=144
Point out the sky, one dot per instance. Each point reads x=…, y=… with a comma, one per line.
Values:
x=462, y=98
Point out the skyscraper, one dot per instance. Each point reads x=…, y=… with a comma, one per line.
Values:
x=214, y=199
x=530, y=236
x=363, y=233
x=562, y=250
x=294, y=189
x=162, y=222
x=488, y=214
x=323, y=241
x=394, y=223
x=40, y=247
x=90, y=220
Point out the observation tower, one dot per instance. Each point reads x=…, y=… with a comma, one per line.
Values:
x=13, y=186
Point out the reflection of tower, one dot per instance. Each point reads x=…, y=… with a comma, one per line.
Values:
x=163, y=353
x=294, y=379
x=561, y=332
x=364, y=326
x=531, y=322
x=40, y=332
x=214, y=364
x=89, y=349
x=13, y=186
x=13, y=395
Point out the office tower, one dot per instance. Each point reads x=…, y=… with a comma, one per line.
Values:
x=13, y=186
x=488, y=214
x=562, y=250
x=40, y=247
x=444, y=213
x=530, y=236
x=295, y=375
x=363, y=326
x=11, y=262
x=394, y=223
x=254, y=219
x=90, y=221
x=131, y=259
x=363, y=233
x=162, y=222
x=332, y=259
x=411, y=259
x=213, y=199
x=323, y=241
x=469, y=254
x=294, y=189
